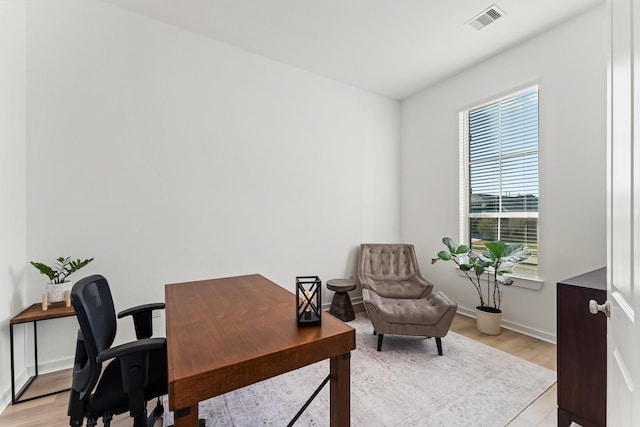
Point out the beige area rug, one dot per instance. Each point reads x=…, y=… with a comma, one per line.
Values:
x=407, y=384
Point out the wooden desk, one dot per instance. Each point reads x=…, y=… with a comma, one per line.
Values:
x=33, y=314
x=224, y=334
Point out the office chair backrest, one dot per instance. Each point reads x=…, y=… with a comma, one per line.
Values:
x=93, y=304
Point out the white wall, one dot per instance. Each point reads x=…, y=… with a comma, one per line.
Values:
x=170, y=157
x=569, y=64
x=13, y=207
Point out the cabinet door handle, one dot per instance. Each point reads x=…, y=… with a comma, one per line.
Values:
x=595, y=308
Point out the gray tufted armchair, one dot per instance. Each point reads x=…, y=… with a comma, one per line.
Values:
x=397, y=298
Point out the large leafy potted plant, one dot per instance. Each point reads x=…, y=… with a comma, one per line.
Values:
x=58, y=274
x=494, y=262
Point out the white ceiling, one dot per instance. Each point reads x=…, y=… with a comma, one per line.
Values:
x=391, y=47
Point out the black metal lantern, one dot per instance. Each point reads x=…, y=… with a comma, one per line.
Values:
x=308, y=292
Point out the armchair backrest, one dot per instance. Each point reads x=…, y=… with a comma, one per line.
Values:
x=387, y=262
x=391, y=271
x=93, y=304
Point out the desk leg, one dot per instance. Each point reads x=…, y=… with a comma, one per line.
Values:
x=186, y=417
x=13, y=375
x=340, y=391
x=35, y=344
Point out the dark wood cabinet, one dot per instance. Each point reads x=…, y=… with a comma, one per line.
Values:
x=582, y=351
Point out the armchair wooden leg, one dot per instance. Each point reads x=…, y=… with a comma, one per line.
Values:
x=380, y=336
x=439, y=344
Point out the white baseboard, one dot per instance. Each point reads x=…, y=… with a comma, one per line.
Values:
x=525, y=330
x=355, y=301
x=53, y=366
x=5, y=399
x=23, y=376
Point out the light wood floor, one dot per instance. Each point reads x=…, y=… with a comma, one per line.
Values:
x=542, y=412
x=51, y=410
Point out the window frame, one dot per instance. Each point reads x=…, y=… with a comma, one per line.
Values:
x=465, y=214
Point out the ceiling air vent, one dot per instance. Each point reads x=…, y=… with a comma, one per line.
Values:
x=486, y=17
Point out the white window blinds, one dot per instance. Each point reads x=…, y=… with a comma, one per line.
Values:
x=500, y=188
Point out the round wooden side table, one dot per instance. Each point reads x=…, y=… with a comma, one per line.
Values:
x=341, y=304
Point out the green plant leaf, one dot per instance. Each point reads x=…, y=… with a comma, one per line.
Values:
x=506, y=252
x=506, y=281
x=44, y=269
x=499, y=256
x=515, y=253
x=63, y=268
x=449, y=244
x=494, y=250
x=462, y=249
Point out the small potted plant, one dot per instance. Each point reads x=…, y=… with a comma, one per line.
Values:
x=58, y=274
x=495, y=261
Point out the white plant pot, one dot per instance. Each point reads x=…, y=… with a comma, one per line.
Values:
x=487, y=322
x=55, y=291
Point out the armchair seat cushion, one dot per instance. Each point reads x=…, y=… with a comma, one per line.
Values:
x=423, y=311
x=399, y=288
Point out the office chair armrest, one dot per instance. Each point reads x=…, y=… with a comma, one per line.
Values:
x=123, y=350
x=141, y=309
x=142, y=318
x=134, y=367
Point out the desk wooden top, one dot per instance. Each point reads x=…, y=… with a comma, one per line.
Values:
x=35, y=312
x=223, y=334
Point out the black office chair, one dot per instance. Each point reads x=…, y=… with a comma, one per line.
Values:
x=137, y=371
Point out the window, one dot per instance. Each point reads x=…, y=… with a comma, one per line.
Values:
x=499, y=174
